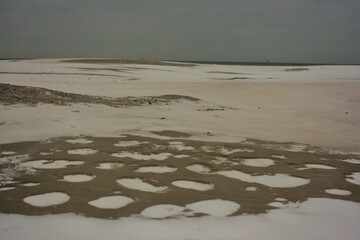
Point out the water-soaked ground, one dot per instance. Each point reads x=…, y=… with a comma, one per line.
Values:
x=117, y=177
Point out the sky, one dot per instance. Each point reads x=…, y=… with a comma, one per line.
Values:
x=298, y=31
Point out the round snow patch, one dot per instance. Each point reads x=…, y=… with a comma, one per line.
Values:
x=162, y=211
x=215, y=207
x=198, y=168
x=47, y=199
x=111, y=202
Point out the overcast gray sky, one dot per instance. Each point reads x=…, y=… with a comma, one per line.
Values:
x=316, y=31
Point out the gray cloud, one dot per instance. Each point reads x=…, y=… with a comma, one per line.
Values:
x=325, y=31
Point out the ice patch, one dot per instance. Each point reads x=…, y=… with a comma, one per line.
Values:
x=78, y=178
x=139, y=156
x=352, y=160
x=109, y=165
x=215, y=207
x=258, y=162
x=30, y=184
x=156, y=169
x=319, y=166
x=354, y=178
x=277, y=180
x=83, y=151
x=198, y=168
x=47, y=199
x=162, y=211
x=193, y=185
x=128, y=143
x=80, y=140
x=139, y=184
x=111, y=202
x=51, y=164
x=340, y=192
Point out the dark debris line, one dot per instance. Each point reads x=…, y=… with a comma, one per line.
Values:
x=12, y=94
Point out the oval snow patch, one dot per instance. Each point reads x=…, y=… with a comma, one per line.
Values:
x=47, y=199
x=78, y=178
x=111, y=202
x=193, y=185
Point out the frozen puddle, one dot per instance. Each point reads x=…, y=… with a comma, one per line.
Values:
x=180, y=146
x=354, y=178
x=83, y=151
x=277, y=180
x=198, y=168
x=340, y=192
x=111, y=202
x=215, y=207
x=47, y=199
x=78, y=178
x=193, y=185
x=139, y=156
x=80, y=140
x=319, y=166
x=128, y=143
x=258, y=162
x=163, y=211
x=156, y=169
x=51, y=164
x=352, y=160
x=139, y=184
x=109, y=165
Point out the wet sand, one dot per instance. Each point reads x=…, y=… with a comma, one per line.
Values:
x=288, y=158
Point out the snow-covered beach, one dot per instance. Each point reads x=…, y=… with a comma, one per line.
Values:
x=185, y=131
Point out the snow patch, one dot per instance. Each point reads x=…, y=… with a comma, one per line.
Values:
x=214, y=207
x=79, y=140
x=128, y=143
x=109, y=165
x=51, y=164
x=139, y=184
x=6, y=188
x=277, y=180
x=140, y=156
x=258, y=162
x=163, y=211
x=30, y=184
x=198, y=168
x=352, y=160
x=47, y=199
x=111, y=202
x=340, y=192
x=156, y=169
x=354, y=178
x=78, y=178
x=319, y=166
x=193, y=185
x=83, y=151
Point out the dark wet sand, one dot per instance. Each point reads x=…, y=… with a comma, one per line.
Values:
x=252, y=202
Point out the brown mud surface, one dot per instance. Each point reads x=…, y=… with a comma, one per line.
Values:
x=13, y=94
x=205, y=153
